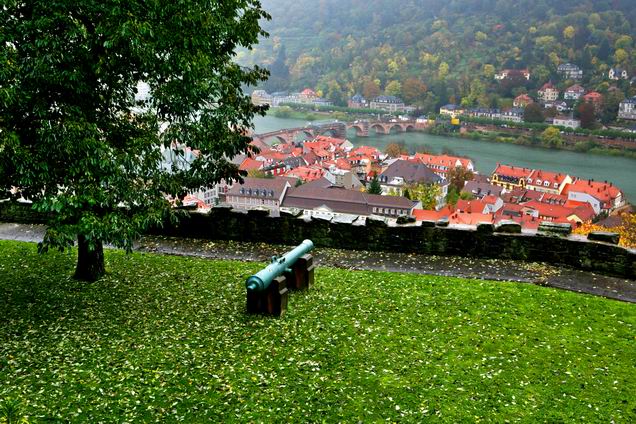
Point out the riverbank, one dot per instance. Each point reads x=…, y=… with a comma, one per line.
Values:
x=533, y=139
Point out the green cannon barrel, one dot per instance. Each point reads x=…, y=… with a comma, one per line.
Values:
x=262, y=279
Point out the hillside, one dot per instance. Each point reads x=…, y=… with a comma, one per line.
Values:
x=432, y=51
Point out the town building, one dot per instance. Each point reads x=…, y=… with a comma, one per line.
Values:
x=566, y=121
x=343, y=178
x=308, y=95
x=510, y=177
x=258, y=193
x=387, y=103
x=401, y=173
x=482, y=112
x=513, y=73
x=603, y=196
x=617, y=73
x=595, y=98
x=334, y=202
x=547, y=182
x=481, y=189
x=442, y=164
x=451, y=110
x=548, y=93
x=514, y=114
x=558, y=105
x=261, y=98
x=627, y=109
x=357, y=102
x=574, y=92
x=522, y=100
x=570, y=71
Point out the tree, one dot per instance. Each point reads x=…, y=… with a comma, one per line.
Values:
x=442, y=71
x=279, y=72
x=569, y=32
x=413, y=90
x=611, y=102
x=370, y=89
x=393, y=88
x=457, y=177
x=394, y=150
x=374, y=186
x=488, y=71
x=587, y=114
x=533, y=113
x=551, y=137
x=78, y=143
x=425, y=193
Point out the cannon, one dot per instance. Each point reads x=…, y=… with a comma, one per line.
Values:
x=267, y=290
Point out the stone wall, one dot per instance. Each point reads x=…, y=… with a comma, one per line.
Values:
x=423, y=238
x=485, y=241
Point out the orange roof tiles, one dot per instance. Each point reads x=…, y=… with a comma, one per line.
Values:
x=605, y=192
x=513, y=171
x=470, y=218
x=249, y=164
x=551, y=177
x=470, y=206
x=306, y=173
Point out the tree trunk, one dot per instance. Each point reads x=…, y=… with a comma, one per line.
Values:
x=90, y=262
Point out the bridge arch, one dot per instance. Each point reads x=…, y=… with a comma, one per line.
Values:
x=332, y=132
x=397, y=127
x=359, y=129
x=273, y=138
x=409, y=128
x=378, y=128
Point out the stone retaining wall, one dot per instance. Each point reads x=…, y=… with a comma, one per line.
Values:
x=485, y=241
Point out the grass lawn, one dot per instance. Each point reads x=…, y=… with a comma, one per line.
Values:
x=166, y=339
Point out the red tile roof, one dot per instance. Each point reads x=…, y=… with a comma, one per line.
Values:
x=306, y=173
x=551, y=177
x=593, y=96
x=470, y=206
x=431, y=215
x=470, y=218
x=513, y=171
x=445, y=161
x=604, y=192
x=249, y=164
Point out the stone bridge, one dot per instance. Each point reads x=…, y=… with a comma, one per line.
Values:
x=287, y=135
x=338, y=130
x=364, y=128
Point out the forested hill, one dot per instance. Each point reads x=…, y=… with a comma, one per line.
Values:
x=344, y=46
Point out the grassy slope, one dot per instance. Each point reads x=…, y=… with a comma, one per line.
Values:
x=167, y=337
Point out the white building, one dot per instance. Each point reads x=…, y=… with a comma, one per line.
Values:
x=566, y=121
x=627, y=109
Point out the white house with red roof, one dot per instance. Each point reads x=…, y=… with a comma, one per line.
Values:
x=308, y=94
x=574, y=92
x=441, y=164
x=493, y=203
x=548, y=93
x=522, y=100
x=603, y=196
x=547, y=182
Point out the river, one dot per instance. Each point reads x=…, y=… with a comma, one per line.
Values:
x=486, y=154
